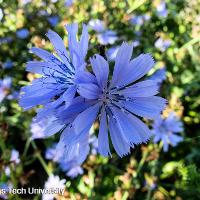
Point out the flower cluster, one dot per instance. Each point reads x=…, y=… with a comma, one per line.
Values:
x=74, y=98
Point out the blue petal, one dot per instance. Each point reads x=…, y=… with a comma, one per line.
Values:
x=133, y=129
x=103, y=141
x=119, y=142
x=121, y=62
x=141, y=89
x=85, y=77
x=89, y=91
x=175, y=139
x=77, y=151
x=69, y=94
x=43, y=54
x=101, y=70
x=58, y=45
x=148, y=107
x=84, y=41
x=77, y=49
x=136, y=69
x=68, y=114
x=85, y=119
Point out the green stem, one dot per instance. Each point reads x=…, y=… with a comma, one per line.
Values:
x=40, y=158
x=28, y=142
x=2, y=144
x=153, y=171
x=142, y=161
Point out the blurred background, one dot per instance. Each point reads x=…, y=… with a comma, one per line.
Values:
x=170, y=31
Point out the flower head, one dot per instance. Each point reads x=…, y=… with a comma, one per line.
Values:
x=60, y=75
x=115, y=102
x=166, y=130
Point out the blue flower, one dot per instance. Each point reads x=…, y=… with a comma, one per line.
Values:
x=165, y=130
x=53, y=20
x=162, y=44
x=5, y=85
x=97, y=25
x=139, y=19
x=115, y=102
x=22, y=33
x=107, y=37
x=162, y=10
x=60, y=76
x=104, y=35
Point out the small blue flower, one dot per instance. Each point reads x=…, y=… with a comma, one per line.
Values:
x=5, y=85
x=104, y=35
x=162, y=10
x=107, y=37
x=97, y=25
x=139, y=19
x=53, y=182
x=115, y=102
x=53, y=20
x=22, y=33
x=166, y=130
x=60, y=76
x=162, y=44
